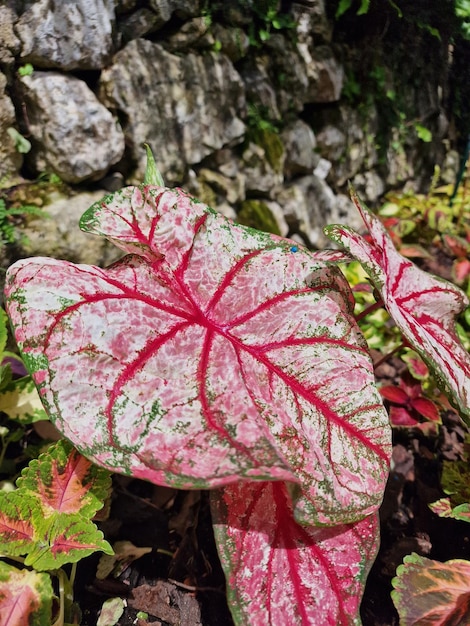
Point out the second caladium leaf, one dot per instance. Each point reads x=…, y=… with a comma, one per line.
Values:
x=423, y=307
x=210, y=353
x=279, y=572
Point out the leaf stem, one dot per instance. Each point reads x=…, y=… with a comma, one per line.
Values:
x=370, y=309
x=385, y=357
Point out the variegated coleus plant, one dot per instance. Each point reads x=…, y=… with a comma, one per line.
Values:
x=214, y=356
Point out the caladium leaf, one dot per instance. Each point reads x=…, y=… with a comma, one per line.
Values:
x=423, y=307
x=25, y=597
x=430, y=592
x=279, y=572
x=210, y=352
x=66, y=482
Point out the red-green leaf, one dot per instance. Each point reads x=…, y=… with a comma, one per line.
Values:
x=428, y=592
x=25, y=597
x=212, y=352
x=423, y=307
x=19, y=518
x=279, y=572
x=65, y=481
x=67, y=539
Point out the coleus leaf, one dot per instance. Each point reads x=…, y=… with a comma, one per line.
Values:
x=423, y=307
x=65, y=539
x=19, y=518
x=279, y=572
x=210, y=352
x=430, y=592
x=25, y=597
x=66, y=482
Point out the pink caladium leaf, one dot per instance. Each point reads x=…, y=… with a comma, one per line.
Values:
x=424, y=307
x=210, y=353
x=279, y=572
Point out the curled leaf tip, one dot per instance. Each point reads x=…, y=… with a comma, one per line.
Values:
x=152, y=174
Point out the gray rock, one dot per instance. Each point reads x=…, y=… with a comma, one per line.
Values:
x=9, y=42
x=72, y=133
x=234, y=42
x=138, y=24
x=57, y=234
x=309, y=205
x=194, y=33
x=185, y=107
x=10, y=159
x=300, y=144
x=67, y=35
x=261, y=177
x=369, y=185
x=183, y=8
x=349, y=142
x=310, y=19
x=303, y=73
x=260, y=91
x=231, y=190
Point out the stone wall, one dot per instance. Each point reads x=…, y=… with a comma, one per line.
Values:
x=251, y=113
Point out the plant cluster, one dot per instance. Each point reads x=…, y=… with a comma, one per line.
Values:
x=215, y=356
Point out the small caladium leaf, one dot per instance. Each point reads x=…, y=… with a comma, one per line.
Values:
x=66, y=482
x=65, y=539
x=422, y=306
x=25, y=597
x=279, y=572
x=211, y=352
x=430, y=592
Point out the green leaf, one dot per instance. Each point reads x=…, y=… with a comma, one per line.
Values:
x=152, y=175
x=26, y=70
x=364, y=8
x=21, y=402
x=25, y=597
x=22, y=145
x=423, y=133
x=343, y=6
x=3, y=332
x=66, y=482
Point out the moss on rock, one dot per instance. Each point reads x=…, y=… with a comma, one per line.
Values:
x=257, y=214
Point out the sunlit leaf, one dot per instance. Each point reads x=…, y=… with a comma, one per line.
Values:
x=428, y=592
x=211, y=352
x=21, y=402
x=423, y=307
x=66, y=482
x=279, y=572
